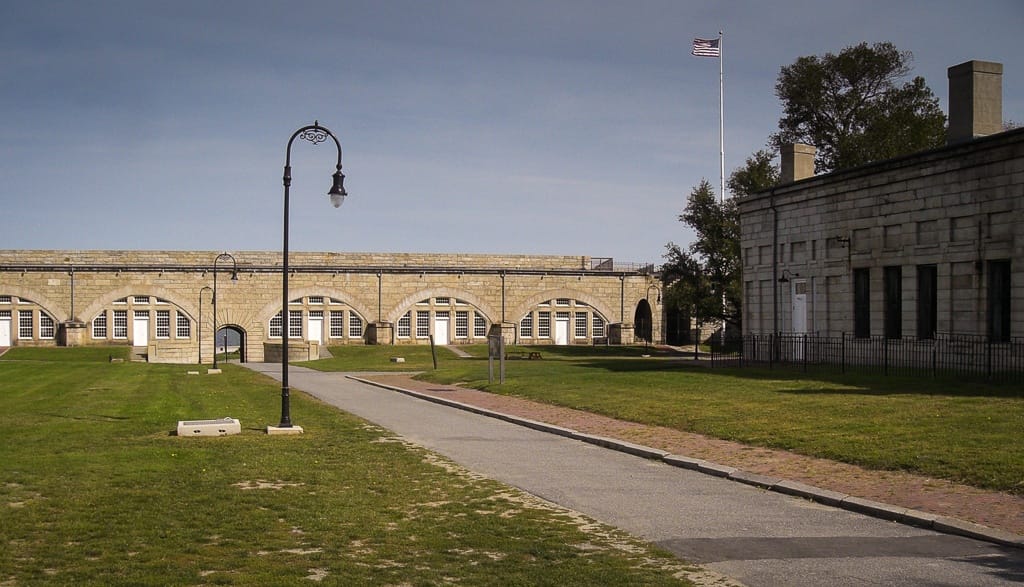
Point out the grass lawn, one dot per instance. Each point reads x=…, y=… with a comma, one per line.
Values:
x=95, y=490
x=967, y=432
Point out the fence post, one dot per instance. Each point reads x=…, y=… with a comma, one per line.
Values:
x=805, y=352
x=842, y=353
x=696, y=345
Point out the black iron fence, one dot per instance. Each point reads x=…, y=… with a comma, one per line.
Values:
x=958, y=355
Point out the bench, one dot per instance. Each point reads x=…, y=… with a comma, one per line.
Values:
x=531, y=355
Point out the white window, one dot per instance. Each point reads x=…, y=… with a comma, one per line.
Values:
x=121, y=301
x=163, y=323
x=336, y=301
x=275, y=326
x=5, y=299
x=25, y=325
x=479, y=326
x=404, y=327
x=422, y=324
x=162, y=301
x=5, y=314
x=543, y=324
x=120, y=323
x=526, y=326
x=315, y=300
x=294, y=323
x=142, y=314
x=355, y=325
x=140, y=299
x=597, y=325
x=184, y=326
x=337, y=329
x=563, y=302
x=461, y=324
x=316, y=314
x=442, y=301
x=45, y=326
x=425, y=302
x=581, y=325
x=99, y=326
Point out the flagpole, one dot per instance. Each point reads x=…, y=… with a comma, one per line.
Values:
x=721, y=118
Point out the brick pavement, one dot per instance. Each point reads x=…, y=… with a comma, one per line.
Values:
x=1002, y=511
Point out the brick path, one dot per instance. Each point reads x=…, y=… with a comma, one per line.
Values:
x=997, y=510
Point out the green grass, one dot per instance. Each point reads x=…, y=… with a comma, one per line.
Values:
x=378, y=358
x=971, y=433
x=95, y=490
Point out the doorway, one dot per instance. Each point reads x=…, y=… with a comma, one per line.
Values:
x=230, y=342
x=140, y=328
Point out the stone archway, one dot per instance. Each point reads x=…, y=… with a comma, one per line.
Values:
x=643, y=319
x=229, y=339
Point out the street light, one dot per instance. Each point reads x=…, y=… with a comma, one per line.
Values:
x=650, y=322
x=234, y=277
x=201, y=290
x=315, y=134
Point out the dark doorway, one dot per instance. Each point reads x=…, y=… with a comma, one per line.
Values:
x=229, y=344
x=643, y=321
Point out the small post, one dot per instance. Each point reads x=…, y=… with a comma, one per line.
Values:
x=433, y=351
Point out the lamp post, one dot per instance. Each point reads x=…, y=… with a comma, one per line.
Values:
x=200, y=337
x=650, y=325
x=234, y=277
x=315, y=134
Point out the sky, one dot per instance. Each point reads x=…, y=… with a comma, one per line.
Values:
x=565, y=127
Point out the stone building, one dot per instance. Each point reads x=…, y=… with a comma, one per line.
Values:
x=160, y=302
x=919, y=246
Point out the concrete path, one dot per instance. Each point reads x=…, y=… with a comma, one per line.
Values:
x=751, y=535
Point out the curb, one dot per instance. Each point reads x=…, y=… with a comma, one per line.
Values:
x=827, y=497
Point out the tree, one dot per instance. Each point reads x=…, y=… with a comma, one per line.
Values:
x=851, y=108
x=710, y=267
x=757, y=175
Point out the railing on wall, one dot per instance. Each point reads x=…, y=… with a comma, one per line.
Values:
x=947, y=354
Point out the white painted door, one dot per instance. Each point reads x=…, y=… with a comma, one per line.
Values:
x=561, y=331
x=441, y=331
x=799, y=317
x=5, y=331
x=140, y=329
x=316, y=329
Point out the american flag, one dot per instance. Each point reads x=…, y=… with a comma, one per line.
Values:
x=706, y=48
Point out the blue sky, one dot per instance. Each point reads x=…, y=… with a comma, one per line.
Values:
x=553, y=127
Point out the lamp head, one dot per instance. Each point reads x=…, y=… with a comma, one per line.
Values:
x=337, y=192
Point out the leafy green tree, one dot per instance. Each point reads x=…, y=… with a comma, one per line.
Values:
x=757, y=175
x=852, y=108
x=709, y=268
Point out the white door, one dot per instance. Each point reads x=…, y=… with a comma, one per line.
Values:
x=5, y=332
x=799, y=317
x=561, y=331
x=316, y=329
x=140, y=329
x=441, y=331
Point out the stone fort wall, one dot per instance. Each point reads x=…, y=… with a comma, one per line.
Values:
x=73, y=288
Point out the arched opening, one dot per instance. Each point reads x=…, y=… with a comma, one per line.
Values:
x=643, y=321
x=229, y=344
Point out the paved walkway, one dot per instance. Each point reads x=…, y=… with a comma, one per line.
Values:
x=751, y=535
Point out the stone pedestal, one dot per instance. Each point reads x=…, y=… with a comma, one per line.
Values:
x=507, y=331
x=620, y=333
x=380, y=333
x=298, y=350
x=72, y=333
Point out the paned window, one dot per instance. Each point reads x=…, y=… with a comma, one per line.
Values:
x=337, y=329
x=355, y=325
x=46, y=329
x=120, y=323
x=543, y=324
x=597, y=326
x=862, y=303
x=526, y=326
x=479, y=326
x=442, y=301
x=140, y=299
x=25, y=324
x=99, y=326
x=562, y=302
x=893, y=299
x=422, y=324
x=999, y=294
x=404, y=327
x=184, y=326
x=294, y=323
x=121, y=301
x=927, y=301
x=316, y=300
x=5, y=299
x=163, y=323
x=275, y=326
x=581, y=325
x=461, y=324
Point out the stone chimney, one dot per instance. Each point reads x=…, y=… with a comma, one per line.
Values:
x=797, y=162
x=975, y=100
